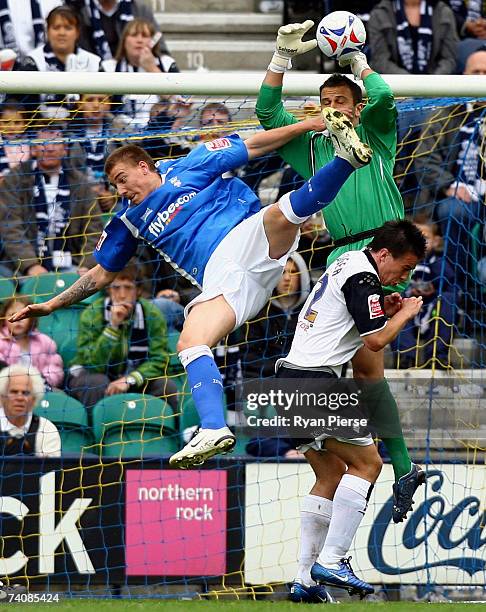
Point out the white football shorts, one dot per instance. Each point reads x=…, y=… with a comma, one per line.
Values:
x=241, y=270
x=318, y=443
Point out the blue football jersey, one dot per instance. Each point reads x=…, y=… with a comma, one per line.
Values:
x=188, y=215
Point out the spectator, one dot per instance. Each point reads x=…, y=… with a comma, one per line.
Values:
x=60, y=53
x=168, y=115
x=212, y=116
x=21, y=342
x=103, y=22
x=270, y=334
x=432, y=328
x=217, y=114
x=470, y=18
x=21, y=431
x=471, y=25
x=48, y=211
x=413, y=37
x=22, y=23
x=13, y=124
x=449, y=169
x=93, y=124
x=122, y=346
x=168, y=302
x=139, y=50
x=459, y=9
x=137, y=53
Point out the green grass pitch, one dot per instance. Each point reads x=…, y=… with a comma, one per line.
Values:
x=142, y=605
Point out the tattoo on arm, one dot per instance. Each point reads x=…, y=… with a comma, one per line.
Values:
x=82, y=288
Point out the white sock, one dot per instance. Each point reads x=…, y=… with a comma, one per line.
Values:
x=286, y=209
x=188, y=355
x=348, y=508
x=315, y=515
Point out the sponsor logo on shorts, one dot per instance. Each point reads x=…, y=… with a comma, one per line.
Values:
x=374, y=306
x=219, y=143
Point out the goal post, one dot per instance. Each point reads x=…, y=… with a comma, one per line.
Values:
x=224, y=83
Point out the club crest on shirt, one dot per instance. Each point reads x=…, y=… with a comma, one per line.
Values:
x=374, y=306
x=146, y=214
x=219, y=143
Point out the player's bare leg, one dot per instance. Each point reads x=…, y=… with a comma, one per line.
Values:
x=369, y=366
x=280, y=232
x=348, y=507
x=315, y=516
x=206, y=323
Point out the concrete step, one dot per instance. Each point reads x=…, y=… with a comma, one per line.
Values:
x=202, y=24
x=449, y=414
x=223, y=54
x=200, y=6
x=464, y=353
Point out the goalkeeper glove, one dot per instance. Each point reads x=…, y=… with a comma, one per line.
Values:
x=289, y=44
x=357, y=62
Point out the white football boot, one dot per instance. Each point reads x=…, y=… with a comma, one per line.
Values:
x=346, y=141
x=205, y=444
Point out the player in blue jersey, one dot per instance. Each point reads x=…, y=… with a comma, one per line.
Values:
x=214, y=232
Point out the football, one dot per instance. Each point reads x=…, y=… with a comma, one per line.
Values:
x=340, y=33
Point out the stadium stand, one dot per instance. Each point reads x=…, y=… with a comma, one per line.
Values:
x=70, y=418
x=135, y=425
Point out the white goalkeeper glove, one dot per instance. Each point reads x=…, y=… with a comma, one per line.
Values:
x=289, y=44
x=357, y=62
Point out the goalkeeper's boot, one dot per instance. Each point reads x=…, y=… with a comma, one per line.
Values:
x=343, y=577
x=403, y=492
x=205, y=444
x=300, y=593
x=347, y=144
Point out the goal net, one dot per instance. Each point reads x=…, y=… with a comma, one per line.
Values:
x=109, y=516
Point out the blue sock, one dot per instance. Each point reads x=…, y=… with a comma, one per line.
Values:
x=321, y=189
x=207, y=391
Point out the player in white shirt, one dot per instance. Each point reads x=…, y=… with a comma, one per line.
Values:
x=345, y=310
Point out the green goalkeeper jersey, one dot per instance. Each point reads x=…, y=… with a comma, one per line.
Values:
x=370, y=196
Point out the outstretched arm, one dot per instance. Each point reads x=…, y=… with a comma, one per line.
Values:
x=95, y=279
x=264, y=142
x=289, y=43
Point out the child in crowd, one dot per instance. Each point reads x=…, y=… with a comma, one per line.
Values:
x=22, y=343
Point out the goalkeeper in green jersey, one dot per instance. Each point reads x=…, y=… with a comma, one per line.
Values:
x=367, y=199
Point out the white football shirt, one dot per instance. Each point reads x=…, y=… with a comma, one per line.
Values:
x=346, y=304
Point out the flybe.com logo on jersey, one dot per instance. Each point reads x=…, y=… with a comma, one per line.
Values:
x=163, y=219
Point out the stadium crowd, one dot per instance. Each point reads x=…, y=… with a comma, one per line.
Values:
x=55, y=199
